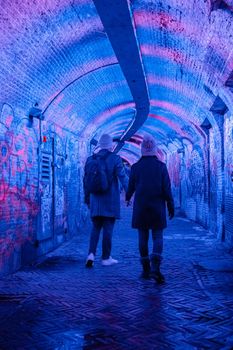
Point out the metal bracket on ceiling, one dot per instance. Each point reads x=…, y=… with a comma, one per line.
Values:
x=219, y=107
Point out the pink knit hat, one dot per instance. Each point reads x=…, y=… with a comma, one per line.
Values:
x=148, y=146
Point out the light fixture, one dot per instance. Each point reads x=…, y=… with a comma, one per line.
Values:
x=35, y=112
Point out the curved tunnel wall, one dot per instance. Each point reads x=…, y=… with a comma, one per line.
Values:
x=60, y=55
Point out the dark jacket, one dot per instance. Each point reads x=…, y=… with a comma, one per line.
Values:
x=150, y=181
x=108, y=203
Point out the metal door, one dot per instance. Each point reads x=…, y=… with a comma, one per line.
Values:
x=45, y=234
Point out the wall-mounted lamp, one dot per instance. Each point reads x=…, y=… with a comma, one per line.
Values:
x=35, y=112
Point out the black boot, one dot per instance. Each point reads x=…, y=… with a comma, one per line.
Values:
x=155, y=270
x=145, y=261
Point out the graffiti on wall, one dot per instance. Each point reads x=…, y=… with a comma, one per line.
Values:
x=229, y=155
x=36, y=205
x=215, y=159
x=174, y=169
x=77, y=153
x=215, y=180
x=61, y=204
x=60, y=185
x=196, y=178
x=193, y=182
x=72, y=180
x=52, y=182
x=18, y=183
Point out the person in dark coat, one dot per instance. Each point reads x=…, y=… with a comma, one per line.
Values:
x=150, y=181
x=105, y=207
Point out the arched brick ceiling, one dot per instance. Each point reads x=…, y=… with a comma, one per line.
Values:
x=51, y=44
x=184, y=49
x=58, y=53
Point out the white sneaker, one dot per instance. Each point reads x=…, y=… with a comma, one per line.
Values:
x=109, y=261
x=90, y=260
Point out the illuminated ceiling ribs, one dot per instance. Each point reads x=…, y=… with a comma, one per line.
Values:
x=96, y=66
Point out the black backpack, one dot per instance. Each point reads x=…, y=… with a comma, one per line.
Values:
x=96, y=179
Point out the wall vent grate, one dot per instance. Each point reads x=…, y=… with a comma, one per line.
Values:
x=45, y=168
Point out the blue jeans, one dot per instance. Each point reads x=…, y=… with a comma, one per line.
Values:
x=157, y=237
x=107, y=224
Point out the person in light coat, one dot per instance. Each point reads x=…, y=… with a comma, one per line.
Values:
x=150, y=182
x=105, y=207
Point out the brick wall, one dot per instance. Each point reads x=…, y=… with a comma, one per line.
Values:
x=193, y=183
x=18, y=187
x=228, y=180
x=186, y=50
x=211, y=203
x=41, y=199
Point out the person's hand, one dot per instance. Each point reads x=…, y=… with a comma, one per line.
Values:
x=128, y=203
x=171, y=210
x=171, y=213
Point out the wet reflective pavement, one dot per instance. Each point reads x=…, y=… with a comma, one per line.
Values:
x=59, y=304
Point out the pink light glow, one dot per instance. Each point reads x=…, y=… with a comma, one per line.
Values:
x=158, y=20
x=175, y=109
x=18, y=187
x=163, y=20
x=115, y=128
x=181, y=113
x=168, y=122
x=135, y=150
x=164, y=52
x=184, y=89
x=152, y=129
x=169, y=54
x=138, y=137
x=164, y=120
x=172, y=125
x=24, y=210
x=134, y=145
x=9, y=120
x=101, y=119
x=114, y=110
x=129, y=156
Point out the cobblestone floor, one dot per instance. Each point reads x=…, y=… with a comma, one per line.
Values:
x=60, y=305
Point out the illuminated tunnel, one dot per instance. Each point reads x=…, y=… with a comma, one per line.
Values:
x=72, y=70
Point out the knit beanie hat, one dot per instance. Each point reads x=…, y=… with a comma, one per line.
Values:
x=105, y=142
x=148, y=146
